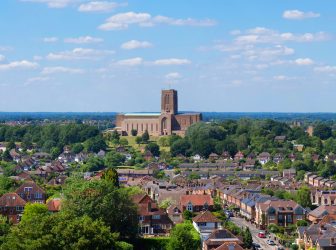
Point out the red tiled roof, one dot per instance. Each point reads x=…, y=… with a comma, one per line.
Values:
x=206, y=216
x=11, y=200
x=196, y=199
x=230, y=246
x=54, y=205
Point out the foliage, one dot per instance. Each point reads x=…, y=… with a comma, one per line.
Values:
x=302, y=223
x=111, y=175
x=93, y=164
x=165, y=203
x=114, y=159
x=184, y=237
x=233, y=228
x=153, y=148
x=156, y=243
x=101, y=199
x=322, y=131
x=247, y=238
x=303, y=197
x=95, y=144
x=134, y=132
x=187, y=215
x=145, y=137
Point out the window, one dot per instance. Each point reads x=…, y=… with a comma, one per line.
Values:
x=289, y=218
x=202, y=224
x=190, y=207
x=28, y=189
x=141, y=218
x=271, y=217
x=299, y=217
x=19, y=208
x=156, y=217
x=38, y=195
x=156, y=226
x=206, y=206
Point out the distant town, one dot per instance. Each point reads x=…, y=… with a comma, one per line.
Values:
x=168, y=179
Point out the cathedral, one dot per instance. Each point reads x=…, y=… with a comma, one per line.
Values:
x=168, y=122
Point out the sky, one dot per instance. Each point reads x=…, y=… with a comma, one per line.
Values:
x=117, y=56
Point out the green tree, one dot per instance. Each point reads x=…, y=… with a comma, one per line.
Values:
x=322, y=131
x=111, y=175
x=184, y=237
x=187, y=215
x=138, y=140
x=303, y=197
x=113, y=159
x=134, y=132
x=6, y=156
x=180, y=146
x=247, y=238
x=153, y=148
x=123, y=141
x=145, y=137
x=10, y=145
x=101, y=199
x=77, y=148
x=95, y=144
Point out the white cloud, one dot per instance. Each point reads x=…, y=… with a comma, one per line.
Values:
x=123, y=20
x=172, y=61
x=19, y=65
x=283, y=78
x=53, y=3
x=134, y=44
x=50, y=39
x=131, y=62
x=304, y=61
x=83, y=40
x=173, y=76
x=265, y=35
x=2, y=58
x=60, y=69
x=299, y=15
x=79, y=54
x=37, y=79
x=99, y=6
x=326, y=69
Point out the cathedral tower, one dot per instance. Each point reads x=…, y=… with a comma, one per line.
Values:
x=169, y=102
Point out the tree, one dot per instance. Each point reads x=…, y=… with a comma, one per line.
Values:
x=10, y=145
x=145, y=137
x=6, y=156
x=115, y=137
x=123, y=141
x=138, y=140
x=180, y=146
x=95, y=144
x=77, y=148
x=184, y=237
x=187, y=215
x=111, y=175
x=114, y=159
x=247, y=238
x=93, y=164
x=322, y=131
x=101, y=199
x=153, y=148
x=303, y=197
x=134, y=132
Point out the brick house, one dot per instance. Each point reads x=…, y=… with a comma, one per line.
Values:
x=196, y=202
x=31, y=192
x=279, y=212
x=206, y=222
x=12, y=206
x=219, y=237
x=152, y=219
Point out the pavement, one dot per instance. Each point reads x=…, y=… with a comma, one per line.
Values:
x=254, y=231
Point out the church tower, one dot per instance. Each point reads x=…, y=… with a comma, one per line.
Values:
x=169, y=102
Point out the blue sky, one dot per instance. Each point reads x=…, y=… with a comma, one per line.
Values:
x=221, y=55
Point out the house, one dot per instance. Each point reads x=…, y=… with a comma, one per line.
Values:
x=174, y=213
x=196, y=203
x=289, y=173
x=31, y=192
x=311, y=179
x=292, y=157
x=279, y=212
x=230, y=246
x=206, y=222
x=15, y=155
x=81, y=157
x=152, y=219
x=327, y=198
x=197, y=158
x=101, y=153
x=148, y=156
x=318, y=213
x=226, y=155
x=278, y=158
x=317, y=181
x=280, y=138
x=57, y=181
x=306, y=176
x=12, y=206
x=321, y=235
x=298, y=147
x=239, y=156
x=54, y=205
x=219, y=237
x=2, y=147
x=213, y=157
x=264, y=157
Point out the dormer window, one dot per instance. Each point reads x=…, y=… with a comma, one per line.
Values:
x=190, y=207
x=28, y=189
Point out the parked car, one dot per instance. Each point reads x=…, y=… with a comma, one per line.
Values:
x=270, y=242
x=256, y=246
x=228, y=213
x=262, y=234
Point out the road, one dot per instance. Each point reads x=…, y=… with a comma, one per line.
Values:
x=254, y=231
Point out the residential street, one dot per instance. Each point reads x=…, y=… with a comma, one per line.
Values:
x=254, y=231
